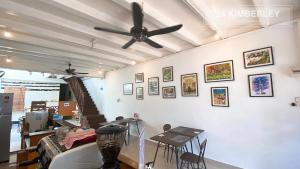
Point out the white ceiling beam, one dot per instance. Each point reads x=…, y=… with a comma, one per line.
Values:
x=262, y=5
x=64, y=47
x=62, y=63
x=202, y=9
x=164, y=21
x=35, y=49
x=70, y=25
x=103, y=17
x=49, y=34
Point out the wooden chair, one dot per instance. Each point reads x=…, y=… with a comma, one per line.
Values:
x=192, y=159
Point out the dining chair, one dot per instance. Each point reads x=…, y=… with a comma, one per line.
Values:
x=192, y=159
x=167, y=127
x=126, y=125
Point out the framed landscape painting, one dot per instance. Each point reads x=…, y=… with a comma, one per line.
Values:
x=260, y=85
x=219, y=71
x=153, y=86
x=139, y=78
x=258, y=57
x=219, y=96
x=139, y=93
x=169, y=92
x=189, y=85
x=128, y=89
x=167, y=74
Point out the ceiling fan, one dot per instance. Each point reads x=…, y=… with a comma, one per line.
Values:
x=70, y=71
x=140, y=33
x=2, y=73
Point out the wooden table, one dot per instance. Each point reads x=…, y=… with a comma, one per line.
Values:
x=171, y=138
x=190, y=132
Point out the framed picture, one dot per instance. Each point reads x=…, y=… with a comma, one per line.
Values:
x=153, y=86
x=128, y=89
x=189, y=85
x=169, y=92
x=260, y=85
x=139, y=93
x=219, y=71
x=139, y=78
x=258, y=57
x=167, y=74
x=219, y=96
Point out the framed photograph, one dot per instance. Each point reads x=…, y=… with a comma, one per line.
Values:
x=219, y=71
x=189, y=85
x=153, y=86
x=169, y=92
x=260, y=85
x=167, y=74
x=128, y=89
x=139, y=93
x=139, y=78
x=219, y=96
x=258, y=57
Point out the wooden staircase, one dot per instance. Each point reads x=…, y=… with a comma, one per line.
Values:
x=85, y=102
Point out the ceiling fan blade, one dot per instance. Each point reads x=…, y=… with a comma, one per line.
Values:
x=82, y=73
x=137, y=15
x=112, y=31
x=128, y=43
x=152, y=43
x=164, y=30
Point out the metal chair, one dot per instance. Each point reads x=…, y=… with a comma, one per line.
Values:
x=167, y=127
x=192, y=159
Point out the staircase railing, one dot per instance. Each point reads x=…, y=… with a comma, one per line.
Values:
x=78, y=92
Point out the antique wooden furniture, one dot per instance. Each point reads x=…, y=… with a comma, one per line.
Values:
x=66, y=108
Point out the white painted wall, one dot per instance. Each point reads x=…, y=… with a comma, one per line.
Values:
x=254, y=133
x=95, y=87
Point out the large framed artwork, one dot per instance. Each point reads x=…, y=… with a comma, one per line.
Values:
x=128, y=89
x=153, y=86
x=169, y=92
x=219, y=96
x=260, y=85
x=258, y=57
x=219, y=71
x=189, y=85
x=139, y=93
x=139, y=78
x=167, y=74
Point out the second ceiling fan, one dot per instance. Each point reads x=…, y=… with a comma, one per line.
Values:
x=140, y=33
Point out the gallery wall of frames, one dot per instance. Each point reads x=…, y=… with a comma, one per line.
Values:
x=259, y=85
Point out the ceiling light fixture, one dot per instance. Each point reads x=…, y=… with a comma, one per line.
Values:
x=8, y=60
x=133, y=62
x=100, y=72
x=7, y=34
x=217, y=36
x=11, y=13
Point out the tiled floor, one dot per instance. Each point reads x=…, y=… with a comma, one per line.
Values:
x=15, y=138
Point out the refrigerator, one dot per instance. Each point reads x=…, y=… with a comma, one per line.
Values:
x=6, y=103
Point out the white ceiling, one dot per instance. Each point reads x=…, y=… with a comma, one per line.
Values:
x=48, y=34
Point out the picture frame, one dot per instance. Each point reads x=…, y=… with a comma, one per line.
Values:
x=139, y=93
x=220, y=96
x=128, y=89
x=260, y=85
x=167, y=74
x=153, y=86
x=169, y=92
x=189, y=85
x=258, y=57
x=219, y=71
x=139, y=78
